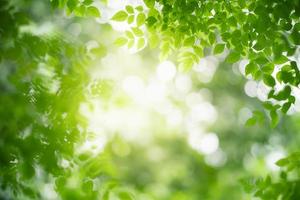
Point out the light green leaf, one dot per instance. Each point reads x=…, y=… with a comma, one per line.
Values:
x=282, y=162
x=92, y=12
x=141, y=43
x=251, y=121
x=120, y=16
x=198, y=51
x=129, y=9
x=130, y=19
x=149, y=3
x=129, y=34
x=121, y=41
x=139, y=8
x=153, y=41
x=130, y=43
x=138, y=32
x=140, y=20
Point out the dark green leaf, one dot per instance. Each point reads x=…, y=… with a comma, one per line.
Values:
x=233, y=57
x=269, y=80
x=219, y=48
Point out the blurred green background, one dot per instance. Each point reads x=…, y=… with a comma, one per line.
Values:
x=83, y=119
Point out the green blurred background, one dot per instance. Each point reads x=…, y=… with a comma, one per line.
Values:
x=83, y=119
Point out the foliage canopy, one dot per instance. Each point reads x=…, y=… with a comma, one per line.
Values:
x=44, y=78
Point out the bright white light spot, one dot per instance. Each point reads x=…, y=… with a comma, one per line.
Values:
x=262, y=91
x=204, y=143
x=203, y=112
x=183, y=83
x=155, y=92
x=209, y=143
x=251, y=88
x=64, y=163
x=242, y=66
x=272, y=158
x=216, y=159
x=174, y=117
x=118, y=5
x=94, y=145
x=48, y=192
x=193, y=99
x=166, y=71
x=206, y=68
x=296, y=106
x=244, y=114
x=133, y=86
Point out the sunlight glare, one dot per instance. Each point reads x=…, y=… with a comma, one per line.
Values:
x=166, y=71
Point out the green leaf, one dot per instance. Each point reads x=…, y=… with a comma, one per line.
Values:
x=189, y=41
x=274, y=118
x=286, y=106
x=99, y=51
x=130, y=19
x=151, y=21
x=121, y=41
x=149, y=3
x=54, y=3
x=251, y=121
x=87, y=2
x=92, y=12
x=72, y=4
x=120, y=16
x=281, y=59
x=233, y=57
x=268, y=105
x=282, y=162
x=138, y=32
x=251, y=68
x=87, y=186
x=269, y=80
x=212, y=38
x=292, y=99
x=219, y=48
x=141, y=43
x=129, y=34
x=140, y=20
x=198, y=51
x=153, y=41
x=139, y=8
x=129, y=9
x=268, y=68
x=80, y=11
x=130, y=43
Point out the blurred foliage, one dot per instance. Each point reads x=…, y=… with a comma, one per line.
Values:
x=265, y=32
x=46, y=76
